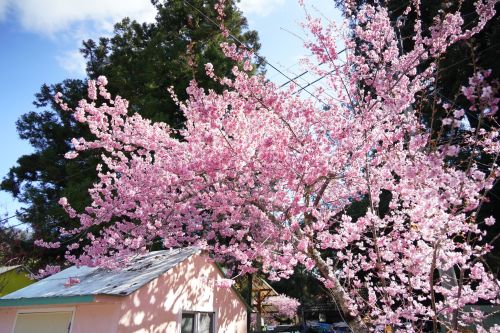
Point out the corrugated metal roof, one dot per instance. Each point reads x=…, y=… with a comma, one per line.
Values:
x=99, y=281
x=5, y=269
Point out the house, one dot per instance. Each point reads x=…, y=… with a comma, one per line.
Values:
x=163, y=291
x=13, y=278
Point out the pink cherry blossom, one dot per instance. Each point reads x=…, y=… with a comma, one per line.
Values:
x=489, y=221
x=224, y=283
x=47, y=271
x=71, y=282
x=286, y=306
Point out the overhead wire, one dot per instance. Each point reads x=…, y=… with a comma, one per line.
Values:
x=290, y=80
x=55, y=182
x=13, y=226
x=307, y=71
x=8, y=218
x=262, y=59
x=293, y=79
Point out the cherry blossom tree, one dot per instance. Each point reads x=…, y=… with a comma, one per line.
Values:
x=262, y=177
x=277, y=309
x=286, y=306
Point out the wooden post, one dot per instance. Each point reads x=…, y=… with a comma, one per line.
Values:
x=250, y=301
x=258, y=325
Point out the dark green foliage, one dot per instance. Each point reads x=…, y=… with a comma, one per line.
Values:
x=302, y=285
x=41, y=178
x=141, y=61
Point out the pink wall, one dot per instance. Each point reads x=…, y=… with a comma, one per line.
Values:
x=96, y=317
x=7, y=317
x=157, y=306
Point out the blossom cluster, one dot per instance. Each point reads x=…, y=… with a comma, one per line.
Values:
x=286, y=306
x=47, y=271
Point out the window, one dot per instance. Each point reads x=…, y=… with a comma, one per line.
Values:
x=205, y=323
x=197, y=322
x=44, y=322
x=187, y=324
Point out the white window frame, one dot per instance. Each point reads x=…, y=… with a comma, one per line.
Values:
x=196, y=315
x=71, y=309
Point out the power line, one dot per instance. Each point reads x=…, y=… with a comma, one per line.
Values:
x=262, y=59
x=325, y=75
x=467, y=112
x=315, y=81
x=12, y=226
x=295, y=78
x=8, y=218
x=465, y=58
x=305, y=72
x=288, y=68
x=54, y=182
x=329, y=73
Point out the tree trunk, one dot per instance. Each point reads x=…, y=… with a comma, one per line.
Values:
x=356, y=324
x=250, y=301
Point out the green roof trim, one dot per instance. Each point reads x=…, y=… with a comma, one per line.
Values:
x=46, y=300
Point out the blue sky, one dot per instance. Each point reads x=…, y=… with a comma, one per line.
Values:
x=40, y=40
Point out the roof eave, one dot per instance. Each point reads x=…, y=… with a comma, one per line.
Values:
x=56, y=300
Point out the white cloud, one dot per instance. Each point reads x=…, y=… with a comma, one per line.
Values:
x=3, y=8
x=49, y=17
x=71, y=21
x=260, y=7
x=73, y=62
